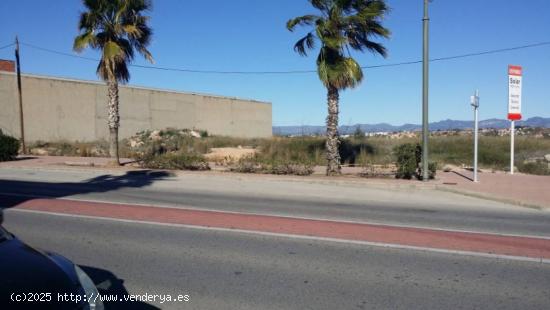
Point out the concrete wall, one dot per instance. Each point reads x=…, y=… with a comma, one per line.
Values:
x=63, y=109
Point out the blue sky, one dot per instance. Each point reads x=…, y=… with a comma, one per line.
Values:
x=251, y=36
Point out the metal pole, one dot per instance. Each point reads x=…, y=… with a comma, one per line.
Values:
x=425, y=85
x=21, y=120
x=476, y=136
x=512, y=134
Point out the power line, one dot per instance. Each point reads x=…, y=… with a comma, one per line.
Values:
x=487, y=52
x=57, y=52
x=6, y=46
x=492, y=51
x=169, y=69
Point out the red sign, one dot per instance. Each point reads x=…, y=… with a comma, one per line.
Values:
x=514, y=70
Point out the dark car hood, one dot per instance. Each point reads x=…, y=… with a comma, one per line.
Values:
x=27, y=270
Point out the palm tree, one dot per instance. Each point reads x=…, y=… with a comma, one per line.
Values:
x=341, y=26
x=116, y=28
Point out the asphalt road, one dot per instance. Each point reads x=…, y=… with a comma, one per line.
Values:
x=222, y=270
x=272, y=196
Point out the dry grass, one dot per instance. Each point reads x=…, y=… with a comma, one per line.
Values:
x=363, y=152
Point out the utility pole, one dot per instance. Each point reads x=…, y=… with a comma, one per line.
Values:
x=21, y=121
x=475, y=103
x=425, y=93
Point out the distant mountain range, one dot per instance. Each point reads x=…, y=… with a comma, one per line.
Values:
x=384, y=127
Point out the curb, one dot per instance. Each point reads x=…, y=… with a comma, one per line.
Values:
x=492, y=198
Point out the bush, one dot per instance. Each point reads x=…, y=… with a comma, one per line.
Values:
x=247, y=166
x=9, y=147
x=432, y=170
x=408, y=157
x=175, y=161
x=291, y=168
x=538, y=168
x=258, y=164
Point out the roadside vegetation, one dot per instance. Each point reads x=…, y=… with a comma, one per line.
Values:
x=9, y=147
x=190, y=149
x=120, y=29
x=408, y=158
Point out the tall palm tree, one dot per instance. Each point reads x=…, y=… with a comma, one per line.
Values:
x=342, y=25
x=116, y=28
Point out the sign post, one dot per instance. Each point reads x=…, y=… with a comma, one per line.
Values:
x=474, y=101
x=515, y=74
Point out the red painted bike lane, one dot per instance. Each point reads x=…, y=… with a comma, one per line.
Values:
x=531, y=247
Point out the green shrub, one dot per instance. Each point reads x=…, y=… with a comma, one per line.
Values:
x=408, y=161
x=408, y=157
x=203, y=133
x=175, y=161
x=432, y=170
x=9, y=147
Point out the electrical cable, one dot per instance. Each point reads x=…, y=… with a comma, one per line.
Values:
x=295, y=71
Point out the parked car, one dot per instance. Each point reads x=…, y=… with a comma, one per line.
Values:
x=34, y=279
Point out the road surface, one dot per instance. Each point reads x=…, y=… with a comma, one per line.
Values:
x=271, y=196
x=229, y=269
x=221, y=270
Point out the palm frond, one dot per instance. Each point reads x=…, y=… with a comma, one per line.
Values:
x=117, y=28
x=305, y=43
x=335, y=70
x=301, y=21
x=112, y=50
x=84, y=40
x=321, y=5
x=113, y=69
x=343, y=25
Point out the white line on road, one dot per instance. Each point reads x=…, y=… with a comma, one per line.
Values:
x=292, y=236
x=193, y=208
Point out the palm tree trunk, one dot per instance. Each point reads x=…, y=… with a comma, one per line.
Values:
x=113, y=120
x=332, y=143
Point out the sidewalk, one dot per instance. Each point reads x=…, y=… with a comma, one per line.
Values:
x=520, y=189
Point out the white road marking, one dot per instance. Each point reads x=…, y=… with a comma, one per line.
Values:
x=292, y=236
x=193, y=208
